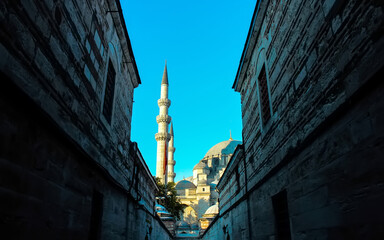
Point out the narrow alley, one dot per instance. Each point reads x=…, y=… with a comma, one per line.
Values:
x=309, y=164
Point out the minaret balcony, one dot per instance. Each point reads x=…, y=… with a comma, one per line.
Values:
x=162, y=136
x=171, y=149
x=171, y=162
x=163, y=118
x=164, y=102
x=171, y=174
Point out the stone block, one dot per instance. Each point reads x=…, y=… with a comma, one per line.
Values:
x=30, y=8
x=45, y=65
x=59, y=53
x=327, y=6
x=310, y=201
x=311, y=60
x=300, y=77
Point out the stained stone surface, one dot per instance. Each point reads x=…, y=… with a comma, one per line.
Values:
x=324, y=144
x=68, y=169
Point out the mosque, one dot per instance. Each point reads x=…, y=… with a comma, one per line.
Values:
x=198, y=191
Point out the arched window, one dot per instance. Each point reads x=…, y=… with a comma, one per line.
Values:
x=109, y=92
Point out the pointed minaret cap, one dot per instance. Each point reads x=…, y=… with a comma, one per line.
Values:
x=165, y=75
x=171, y=129
x=230, y=135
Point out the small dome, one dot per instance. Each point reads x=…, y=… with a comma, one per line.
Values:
x=213, y=209
x=200, y=165
x=225, y=147
x=184, y=184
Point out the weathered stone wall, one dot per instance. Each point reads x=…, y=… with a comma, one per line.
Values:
x=47, y=182
x=49, y=50
x=234, y=207
x=68, y=167
x=324, y=142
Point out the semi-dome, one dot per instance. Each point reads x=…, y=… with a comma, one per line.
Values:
x=213, y=209
x=225, y=147
x=200, y=165
x=184, y=184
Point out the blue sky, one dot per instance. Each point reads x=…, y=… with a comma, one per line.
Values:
x=202, y=42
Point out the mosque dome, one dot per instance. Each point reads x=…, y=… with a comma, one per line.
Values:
x=225, y=147
x=184, y=184
x=212, y=209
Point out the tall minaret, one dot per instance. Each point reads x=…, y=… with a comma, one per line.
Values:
x=162, y=137
x=171, y=160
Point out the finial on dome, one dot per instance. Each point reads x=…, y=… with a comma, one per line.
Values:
x=165, y=75
x=230, y=135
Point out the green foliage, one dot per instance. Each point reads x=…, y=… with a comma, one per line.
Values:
x=167, y=196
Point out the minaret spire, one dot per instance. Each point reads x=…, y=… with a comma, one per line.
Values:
x=171, y=160
x=165, y=75
x=162, y=136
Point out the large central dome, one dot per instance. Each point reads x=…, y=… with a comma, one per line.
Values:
x=225, y=147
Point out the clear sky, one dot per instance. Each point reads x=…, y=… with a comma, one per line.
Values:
x=202, y=42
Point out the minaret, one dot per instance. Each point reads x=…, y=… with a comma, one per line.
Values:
x=171, y=160
x=162, y=136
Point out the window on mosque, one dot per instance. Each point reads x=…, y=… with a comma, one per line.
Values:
x=264, y=96
x=280, y=208
x=94, y=57
x=109, y=92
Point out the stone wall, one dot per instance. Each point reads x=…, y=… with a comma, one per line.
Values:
x=234, y=210
x=48, y=183
x=49, y=50
x=68, y=167
x=319, y=155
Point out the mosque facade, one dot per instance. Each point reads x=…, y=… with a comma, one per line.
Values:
x=198, y=192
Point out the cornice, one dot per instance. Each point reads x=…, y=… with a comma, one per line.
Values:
x=171, y=149
x=162, y=136
x=163, y=118
x=171, y=162
x=172, y=175
x=164, y=102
